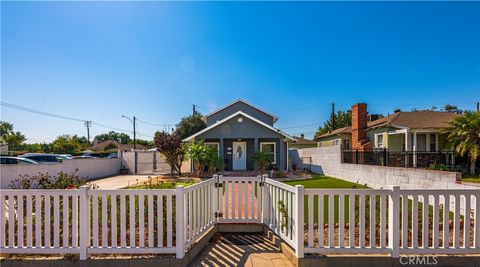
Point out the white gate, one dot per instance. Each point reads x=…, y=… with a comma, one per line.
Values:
x=239, y=199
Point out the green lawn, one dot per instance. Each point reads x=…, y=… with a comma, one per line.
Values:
x=471, y=178
x=321, y=181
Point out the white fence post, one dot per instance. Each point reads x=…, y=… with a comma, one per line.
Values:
x=215, y=197
x=179, y=210
x=394, y=221
x=84, y=221
x=298, y=220
x=265, y=199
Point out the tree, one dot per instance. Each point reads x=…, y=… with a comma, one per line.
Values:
x=464, y=135
x=190, y=125
x=9, y=136
x=69, y=144
x=452, y=108
x=170, y=145
x=342, y=119
x=122, y=138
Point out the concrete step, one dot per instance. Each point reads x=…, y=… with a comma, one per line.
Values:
x=241, y=249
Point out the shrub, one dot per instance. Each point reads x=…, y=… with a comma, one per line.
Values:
x=45, y=181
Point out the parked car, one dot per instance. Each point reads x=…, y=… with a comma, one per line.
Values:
x=112, y=156
x=43, y=158
x=66, y=156
x=16, y=160
x=84, y=157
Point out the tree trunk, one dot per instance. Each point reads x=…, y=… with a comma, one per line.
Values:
x=472, y=166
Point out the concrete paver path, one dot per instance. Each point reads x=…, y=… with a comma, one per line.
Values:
x=241, y=250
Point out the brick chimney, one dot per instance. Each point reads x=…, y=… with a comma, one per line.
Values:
x=359, y=124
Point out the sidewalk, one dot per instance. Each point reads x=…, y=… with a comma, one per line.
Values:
x=119, y=181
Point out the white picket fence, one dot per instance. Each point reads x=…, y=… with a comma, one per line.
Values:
x=169, y=221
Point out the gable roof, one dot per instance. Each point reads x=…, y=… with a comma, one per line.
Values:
x=233, y=116
x=343, y=130
x=304, y=141
x=424, y=119
x=275, y=118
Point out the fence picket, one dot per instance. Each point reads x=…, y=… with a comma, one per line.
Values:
x=310, y=220
x=456, y=222
x=169, y=221
x=446, y=218
x=123, y=222
x=141, y=221
x=56, y=220
x=321, y=225
x=20, y=222
x=466, y=226
x=2, y=220
x=361, y=235
x=436, y=216
x=341, y=222
x=132, y=223
x=425, y=222
x=414, y=221
x=104, y=221
x=113, y=218
x=11, y=221
x=373, y=222
x=150, y=221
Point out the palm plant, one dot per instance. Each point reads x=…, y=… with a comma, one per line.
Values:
x=464, y=135
x=196, y=152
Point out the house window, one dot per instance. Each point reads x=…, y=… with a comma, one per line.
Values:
x=214, y=146
x=269, y=148
x=380, y=141
x=433, y=142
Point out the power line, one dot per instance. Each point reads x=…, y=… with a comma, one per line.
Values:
x=39, y=112
x=9, y=105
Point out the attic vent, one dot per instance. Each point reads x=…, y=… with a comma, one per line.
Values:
x=239, y=119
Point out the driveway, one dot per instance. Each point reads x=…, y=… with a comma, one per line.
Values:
x=119, y=181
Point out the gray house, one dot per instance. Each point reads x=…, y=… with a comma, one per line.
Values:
x=238, y=130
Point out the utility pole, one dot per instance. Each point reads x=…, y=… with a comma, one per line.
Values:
x=194, y=111
x=88, y=124
x=478, y=106
x=333, y=116
x=134, y=130
x=134, y=133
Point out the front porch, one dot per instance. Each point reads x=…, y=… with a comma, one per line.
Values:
x=237, y=153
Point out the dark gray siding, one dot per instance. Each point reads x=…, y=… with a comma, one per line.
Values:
x=240, y=106
x=248, y=131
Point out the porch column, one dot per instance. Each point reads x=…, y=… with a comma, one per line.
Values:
x=255, y=150
x=414, y=146
x=221, y=151
x=406, y=147
x=427, y=142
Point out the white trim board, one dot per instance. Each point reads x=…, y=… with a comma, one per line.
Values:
x=233, y=116
x=275, y=118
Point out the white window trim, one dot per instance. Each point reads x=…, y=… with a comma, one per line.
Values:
x=376, y=140
x=214, y=143
x=274, y=150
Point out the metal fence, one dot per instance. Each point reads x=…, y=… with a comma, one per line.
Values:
x=407, y=159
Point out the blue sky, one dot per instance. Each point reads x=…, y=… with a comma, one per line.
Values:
x=99, y=60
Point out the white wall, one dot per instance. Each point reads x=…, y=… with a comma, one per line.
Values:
x=327, y=160
x=145, y=162
x=87, y=168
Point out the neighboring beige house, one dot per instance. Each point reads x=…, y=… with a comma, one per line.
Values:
x=302, y=142
x=111, y=145
x=401, y=131
x=411, y=138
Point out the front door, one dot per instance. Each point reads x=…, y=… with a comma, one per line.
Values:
x=239, y=156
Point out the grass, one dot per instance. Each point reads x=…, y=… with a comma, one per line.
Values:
x=471, y=178
x=321, y=181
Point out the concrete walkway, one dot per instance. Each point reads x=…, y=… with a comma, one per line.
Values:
x=241, y=250
x=119, y=181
